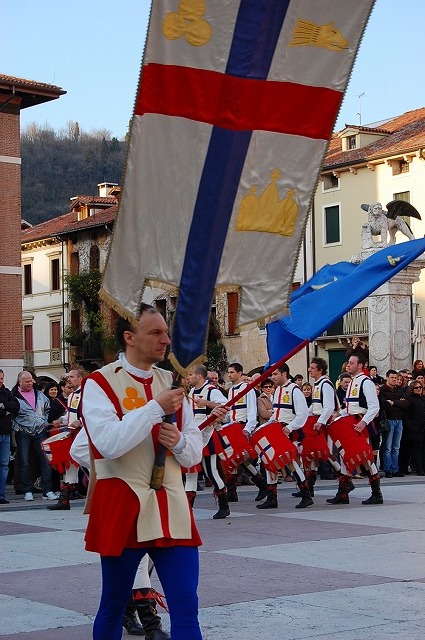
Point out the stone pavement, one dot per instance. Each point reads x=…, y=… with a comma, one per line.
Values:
x=327, y=572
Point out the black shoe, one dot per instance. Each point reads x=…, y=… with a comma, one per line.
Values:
x=133, y=627
x=338, y=500
x=262, y=493
x=222, y=513
x=305, y=502
x=388, y=474
x=374, y=499
x=398, y=474
x=296, y=494
x=4, y=501
x=270, y=503
x=223, y=510
x=61, y=505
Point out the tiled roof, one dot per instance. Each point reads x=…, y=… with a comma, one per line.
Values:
x=87, y=200
x=404, y=133
x=11, y=81
x=68, y=223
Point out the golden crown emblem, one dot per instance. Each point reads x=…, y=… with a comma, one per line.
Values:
x=268, y=213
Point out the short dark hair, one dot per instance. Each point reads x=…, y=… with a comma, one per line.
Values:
x=344, y=376
x=284, y=369
x=236, y=366
x=50, y=385
x=361, y=358
x=267, y=382
x=298, y=376
x=391, y=371
x=321, y=364
x=202, y=371
x=123, y=324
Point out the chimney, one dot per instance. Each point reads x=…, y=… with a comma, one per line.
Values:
x=105, y=187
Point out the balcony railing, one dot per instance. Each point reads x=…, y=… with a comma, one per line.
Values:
x=354, y=323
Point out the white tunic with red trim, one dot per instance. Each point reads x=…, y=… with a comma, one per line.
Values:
x=211, y=393
x=290, y=406
x=245, y=409
x=122, y=421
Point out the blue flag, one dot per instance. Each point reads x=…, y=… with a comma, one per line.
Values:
x=330, y=294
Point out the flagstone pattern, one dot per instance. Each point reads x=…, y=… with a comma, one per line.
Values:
x=344, y=571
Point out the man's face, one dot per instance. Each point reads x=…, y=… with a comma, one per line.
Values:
x=392, y=380
x=344, y=383
x=353, y=366
x=1, y=379
x=234, y=376
x=67, y=388
x=192, y=378
x=74, y=379
x=278, y=378
x=213, y=377
x=404, y=378
x=26, y=382
x=148, y=341
x=314, y=371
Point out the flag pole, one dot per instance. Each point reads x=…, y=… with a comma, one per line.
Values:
x=251, y=385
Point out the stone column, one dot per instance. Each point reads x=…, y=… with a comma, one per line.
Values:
x=390, y=320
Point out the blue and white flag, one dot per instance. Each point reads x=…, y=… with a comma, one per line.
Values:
x=311, y=314
x=236, y=102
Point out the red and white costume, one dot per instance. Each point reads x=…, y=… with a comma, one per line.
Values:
x=122, y=421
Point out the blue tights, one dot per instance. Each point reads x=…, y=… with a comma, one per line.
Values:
x=178, y=571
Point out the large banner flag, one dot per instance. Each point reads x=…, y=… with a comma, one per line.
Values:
x=236, y=102
x=336, y=289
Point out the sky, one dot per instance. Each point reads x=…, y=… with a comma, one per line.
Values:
x=93, y=50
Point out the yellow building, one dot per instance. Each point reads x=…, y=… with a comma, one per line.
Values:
x=377, y=163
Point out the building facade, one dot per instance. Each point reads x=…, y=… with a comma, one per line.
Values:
x=15, y=94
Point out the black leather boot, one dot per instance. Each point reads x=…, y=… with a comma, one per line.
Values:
x=311, y=477
x=148, y=615
x=306, y=500
x=223, y=510
x=130, y=621
x=63, y=501
x=232, y=494
x=375, y=485
x=345, y=486
x=261, y=484
x=271, y=502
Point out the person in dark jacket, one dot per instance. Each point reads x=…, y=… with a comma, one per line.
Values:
x=9, y=406
x=414, y=424
x=375, y=377
x=394, y=404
